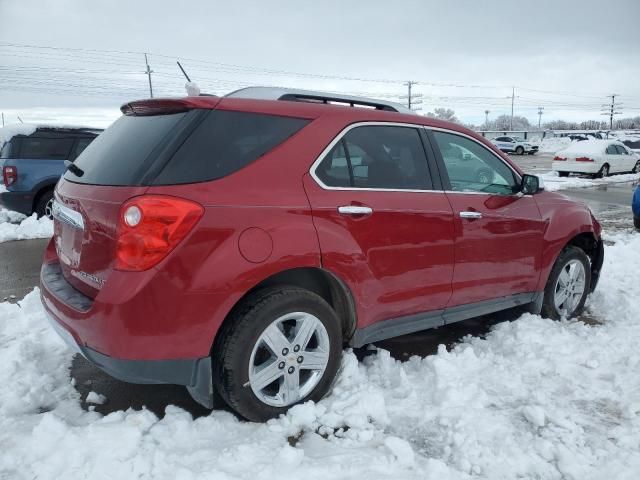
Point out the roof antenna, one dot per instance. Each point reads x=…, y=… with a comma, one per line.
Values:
x=192, y=88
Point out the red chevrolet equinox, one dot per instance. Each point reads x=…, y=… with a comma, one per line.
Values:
x=237, y=244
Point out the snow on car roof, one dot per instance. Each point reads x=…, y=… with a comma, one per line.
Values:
x=9, y=131
x=592, y=147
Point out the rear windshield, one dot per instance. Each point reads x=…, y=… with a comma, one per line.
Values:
x=122, y=154
x=151, y=150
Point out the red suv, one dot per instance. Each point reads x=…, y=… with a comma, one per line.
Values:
x=239, y=243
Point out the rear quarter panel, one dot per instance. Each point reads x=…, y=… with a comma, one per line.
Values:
x=35, y=174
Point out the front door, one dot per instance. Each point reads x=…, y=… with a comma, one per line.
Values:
x=381, y=226
x=498, y=231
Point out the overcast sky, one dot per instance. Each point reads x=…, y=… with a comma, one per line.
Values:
x=465, y=54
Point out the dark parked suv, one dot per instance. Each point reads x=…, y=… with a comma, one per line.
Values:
x=33, y=163
x=238, y=243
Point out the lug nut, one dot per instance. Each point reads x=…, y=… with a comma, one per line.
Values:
x=300, y=359
x=285, y=351
x=291, y=370
x=296, y=348
x=281, y=365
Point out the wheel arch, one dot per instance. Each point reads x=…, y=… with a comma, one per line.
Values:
x=42, y=188
x=314, y=279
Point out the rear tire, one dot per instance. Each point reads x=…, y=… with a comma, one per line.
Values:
x=44, y=205
x=603, y=172
x=636, y=168
x=563, y=174
x=520, y=150
x=270, y=320
x=567, y=280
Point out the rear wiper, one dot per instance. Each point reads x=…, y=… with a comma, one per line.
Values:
x=73, y=168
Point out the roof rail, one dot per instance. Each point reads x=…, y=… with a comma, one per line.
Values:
x=294, y=95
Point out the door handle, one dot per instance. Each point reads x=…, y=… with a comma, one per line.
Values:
x=471, y=215
x=354, y=210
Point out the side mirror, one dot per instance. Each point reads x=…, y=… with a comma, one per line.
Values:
x=531, y=184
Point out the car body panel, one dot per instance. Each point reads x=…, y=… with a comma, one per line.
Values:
x=398, y=262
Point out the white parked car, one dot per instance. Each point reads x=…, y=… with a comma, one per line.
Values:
x=599, y=158
x=515, y=145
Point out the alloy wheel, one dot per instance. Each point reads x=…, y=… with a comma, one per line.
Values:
x=289, y=359
x=48, y=209
x=569, y=288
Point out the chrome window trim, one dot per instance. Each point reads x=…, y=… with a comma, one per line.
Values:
x=339, y=137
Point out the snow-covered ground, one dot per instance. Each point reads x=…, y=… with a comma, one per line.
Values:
x=534, y=399
x=16, y=226
x=552, y=182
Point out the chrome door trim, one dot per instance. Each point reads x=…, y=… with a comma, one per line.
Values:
x=470, y=215
x=355, y=210
x=66, y=215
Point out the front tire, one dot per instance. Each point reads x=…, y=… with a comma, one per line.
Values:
x=636, y=222
x=279, y=348
x=520, y=150
x=568, y=285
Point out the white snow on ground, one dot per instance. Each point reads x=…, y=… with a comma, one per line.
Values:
x=552, y=182
x=28, y=227
x=534, y=399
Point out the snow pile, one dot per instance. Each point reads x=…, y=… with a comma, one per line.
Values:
x=553, y=183
x=553, y=144
x=534, y=399
x=29, y=227
x=9, y=131
x=585, y=148
x=10, y=216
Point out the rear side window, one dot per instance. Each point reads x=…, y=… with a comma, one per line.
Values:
x=45, y=148
x=122, y=154
x=6, y=149
x=225, y=142
x=377, y=156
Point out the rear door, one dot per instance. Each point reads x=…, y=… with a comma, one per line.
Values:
x=498, y=231
x=384, y=226
x=614, y=159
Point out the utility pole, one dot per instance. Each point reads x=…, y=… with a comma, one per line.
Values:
x=513, y=97
x=612, y=109
x=148, y=72
x=486, y=119
x=413, y=99
x=540, y=110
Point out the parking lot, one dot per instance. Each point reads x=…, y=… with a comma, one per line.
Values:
x=20, y=266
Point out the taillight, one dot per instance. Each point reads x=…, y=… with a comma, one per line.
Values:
x=150, y=226
x=559, y=159
x=584, y=159
x=9, y=175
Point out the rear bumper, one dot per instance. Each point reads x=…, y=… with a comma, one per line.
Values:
x=576, y=167
x=194, y=373
x=17, y=201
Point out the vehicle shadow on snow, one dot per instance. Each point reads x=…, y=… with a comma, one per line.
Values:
x=122, y=395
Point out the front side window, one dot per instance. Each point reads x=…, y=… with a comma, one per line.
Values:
x=622, y=150
x=377, y=156
x=473, y=168
x=612, y=150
